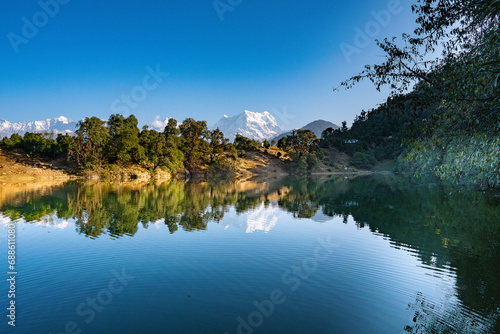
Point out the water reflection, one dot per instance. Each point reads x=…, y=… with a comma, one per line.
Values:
x=454, y=233
x=118, y=209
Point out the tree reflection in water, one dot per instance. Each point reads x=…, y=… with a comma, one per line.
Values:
x=446, y=228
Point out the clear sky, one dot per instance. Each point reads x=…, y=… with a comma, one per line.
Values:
x=79, y=58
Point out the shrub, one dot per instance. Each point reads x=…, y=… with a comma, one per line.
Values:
x=363, y=160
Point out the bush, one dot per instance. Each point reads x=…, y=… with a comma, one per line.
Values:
x=39, y=144
x=363, y=160
x=13, y=142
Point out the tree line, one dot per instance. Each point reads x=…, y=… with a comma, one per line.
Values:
x=118, y=141
x=189, y=145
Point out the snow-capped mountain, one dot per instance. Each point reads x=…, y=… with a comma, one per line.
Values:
x=254, y=125
x=57, y=125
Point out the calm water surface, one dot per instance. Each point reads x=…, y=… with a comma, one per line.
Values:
x=361, y=255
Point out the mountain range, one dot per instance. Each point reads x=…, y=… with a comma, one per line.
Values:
x=56, y=125
x=254, y=125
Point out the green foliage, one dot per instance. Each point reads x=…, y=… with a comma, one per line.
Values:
x=119, y=141
x=194, y=143
x=14, y=141
x=155, y=147
x=123, y=146
x=312, y=161
x=172, y=129
x=454, y=97
x=217, y=146
x=266, y=143
x=301, y=146
x=301, y=142
x=363, y=160
x=65, y=144
x=243, y=143
x=467, y=161
x=40, y=145
x=91, y=140
x=282, y=143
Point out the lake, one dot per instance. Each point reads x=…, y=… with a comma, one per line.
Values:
x=372, y=254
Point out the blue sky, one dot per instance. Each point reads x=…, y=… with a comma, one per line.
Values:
x=80, y=58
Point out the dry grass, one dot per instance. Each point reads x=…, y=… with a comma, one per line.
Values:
x=260, y=163
x=21, y=167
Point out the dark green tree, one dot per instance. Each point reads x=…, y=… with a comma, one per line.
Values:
x=194, y=143
x=123, y=147
x=92, y=136
x=217, y=146
x=14, y=141
x=172, y=128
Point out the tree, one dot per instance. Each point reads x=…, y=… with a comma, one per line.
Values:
x=91, y=140
x=124, y=140
x=217, y=146
x=282, y=142
x=14, y=141
x=302, y=142
x=161, y=151
x=171, y=129
x=38, y=144
x=154, y=145
x=363, y=160
x=344, y=127
x=464, y=77
x=65, y=144
x=266, y=143
x=194, y=144
x=461, y=87
x=244, y=143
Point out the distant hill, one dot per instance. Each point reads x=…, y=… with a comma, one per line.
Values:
x=254, y=125
x=57, y=125
x=317, y=127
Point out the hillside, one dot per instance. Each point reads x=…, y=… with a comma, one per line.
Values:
x=317, y=127
x=14, y=165
x=19, y=167
x=260, y=163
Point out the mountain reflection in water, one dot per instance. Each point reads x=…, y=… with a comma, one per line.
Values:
x=446, y=230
